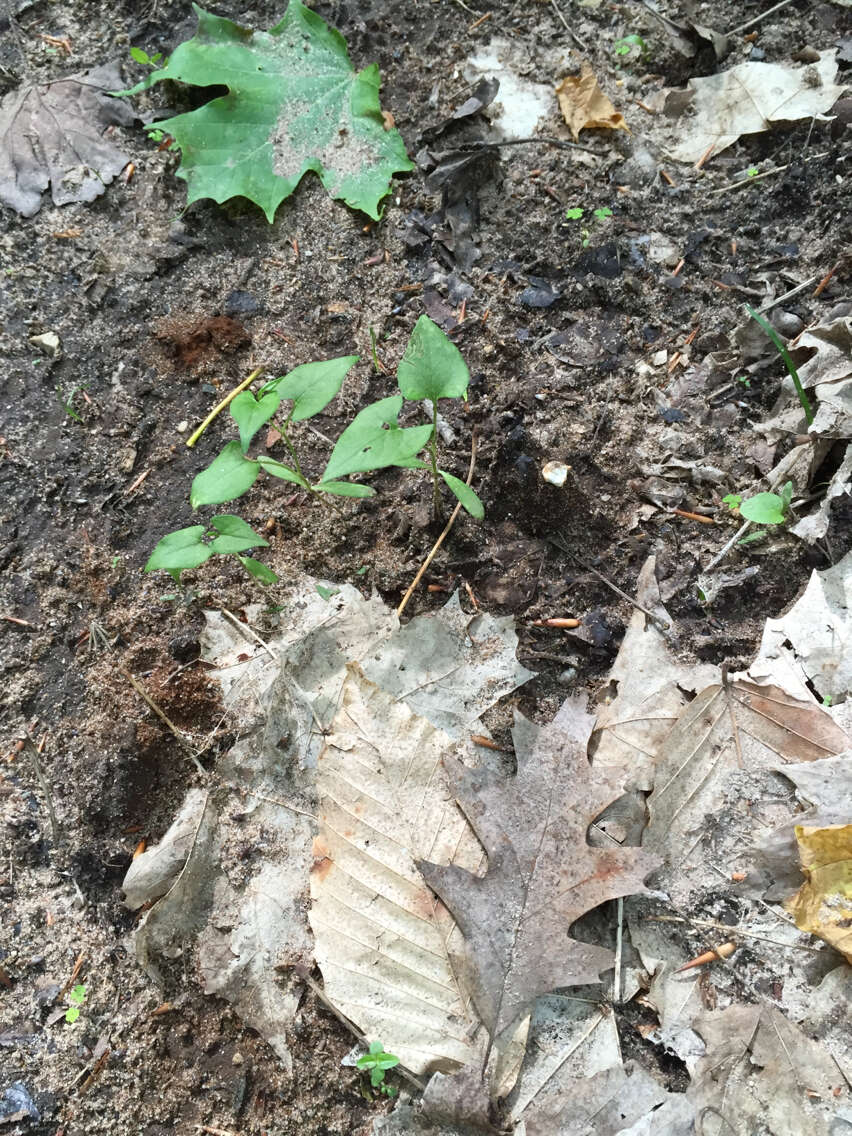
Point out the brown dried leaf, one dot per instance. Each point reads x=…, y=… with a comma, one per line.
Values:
x=542, y=873
x=584, y=106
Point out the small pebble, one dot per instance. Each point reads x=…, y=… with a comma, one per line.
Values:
x=182, y=426
x=237, y=1059
x=787, y=324
x=555, y=473
x=48, y=343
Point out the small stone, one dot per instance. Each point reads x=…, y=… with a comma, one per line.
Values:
x=182, y=426
x=237, y=1059
x=660, y=358
x=555, y=473
x=567, y=677
x=787, y=324
x=48, y=344
x=240, y=303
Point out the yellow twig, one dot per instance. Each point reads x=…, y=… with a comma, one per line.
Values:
x=193, y=438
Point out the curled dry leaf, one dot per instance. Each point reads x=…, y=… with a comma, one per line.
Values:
x=584, y=106
x=53, y=134
x=823, y=905
x=542, y=873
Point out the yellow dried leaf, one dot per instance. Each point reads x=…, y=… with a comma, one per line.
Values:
x=584, y=106
x=823, y=905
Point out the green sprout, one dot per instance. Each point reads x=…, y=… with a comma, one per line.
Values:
x=139, y=55
x=767, y=327
x=76, y=997
x=601, y=216
x=630, y=44
x=762, y=509
x=377, y=1061
x=745, y=380
x=752, y=172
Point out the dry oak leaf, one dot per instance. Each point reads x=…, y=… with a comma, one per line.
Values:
x=823, y=905
x=584, y=106
x=542, y=873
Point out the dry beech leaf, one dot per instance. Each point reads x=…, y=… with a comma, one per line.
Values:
x=542, y=873
x=382, y=941
x=823, y=905
x=761, y=1073
x=717, y=761
x=584, y=106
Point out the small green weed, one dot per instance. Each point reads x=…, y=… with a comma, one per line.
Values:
x=378, y=1062
x=752, y=172
x=68, y=403
x=767, y=327
x=77, y=998
x=601, y=215
x=431, y=368
x=762, y=509
x=139, y=55
x=745, y=380
x=630, y=45
x=326, y=593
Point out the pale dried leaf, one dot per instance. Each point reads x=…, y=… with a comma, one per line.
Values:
x=172, y=923
x=751, y=98
x=814, y=527
x=154, y=871
x=542, y=873
x=823, y=904
x=721, y=754
x=761, y=1073
x=53, y=134
x=382, y=942
x=827, y=370
x=815, y=636
x=584, y=106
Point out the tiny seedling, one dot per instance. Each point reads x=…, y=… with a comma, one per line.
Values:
x=767, y=327
x=762, y=509
x=326, y=593
x=68, y=403
x=630, y=45
x=752, y=172
x=378, y=1062
x=76, y=997
x=139, y=55
x=601, y=216
x=745, y=380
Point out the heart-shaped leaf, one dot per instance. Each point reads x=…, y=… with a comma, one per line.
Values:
x=312, y=386
x=278, y=469
x=373, y=440
x=234, y=535
x=259, y=571
x=432, y=366
x=179, y=551
x=228, y=476
x=251, y=413
x=763, y=509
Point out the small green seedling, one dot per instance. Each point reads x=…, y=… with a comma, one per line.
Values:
x=745, y=380
x=630, y=44
x=68, y=403
x=139, y=55
x=752, y=172
x=601, y=216
x=433, y=368
x=762, y=509
x=378, y=1062
x=767, y=327
x=326, y=593
x=76, y=997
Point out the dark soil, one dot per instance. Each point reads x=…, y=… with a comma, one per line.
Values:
x=160, y=312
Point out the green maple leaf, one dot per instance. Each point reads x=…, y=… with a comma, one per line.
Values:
x=294, y=104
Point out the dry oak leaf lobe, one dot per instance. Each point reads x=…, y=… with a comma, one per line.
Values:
x=542, y=873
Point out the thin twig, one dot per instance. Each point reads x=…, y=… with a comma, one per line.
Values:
x=146, y=698
x=759, y=177
x=567, y=26
x=244, y=629
x=619, y=937
x=559, y=143
x=441, y=538
x=562, y=544
x=762, y=16
x=733, y=931
x=193, y=438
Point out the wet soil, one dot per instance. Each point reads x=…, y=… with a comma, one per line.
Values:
x=592, y=355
